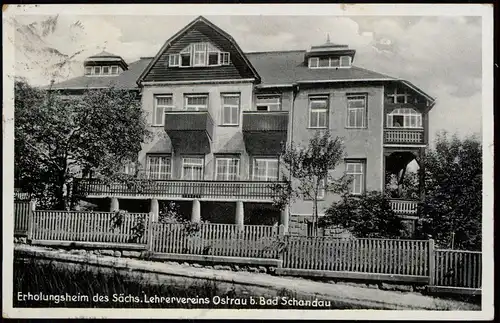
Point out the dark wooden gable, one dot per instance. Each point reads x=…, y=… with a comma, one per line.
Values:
x=200, y=32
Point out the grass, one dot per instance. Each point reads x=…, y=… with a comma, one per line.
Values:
x=103, y=287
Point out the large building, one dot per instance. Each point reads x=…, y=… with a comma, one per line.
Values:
x=221, y=115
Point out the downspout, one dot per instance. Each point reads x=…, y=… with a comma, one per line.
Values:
x=295, y=92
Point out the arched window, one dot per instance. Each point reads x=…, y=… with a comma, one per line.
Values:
x=404, y=118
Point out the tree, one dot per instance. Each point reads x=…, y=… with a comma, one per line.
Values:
x=451, y=211
x=310, y=168
x=366, y=216
x=58, y=137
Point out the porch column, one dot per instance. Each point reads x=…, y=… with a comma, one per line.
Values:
x=155, y=209
x=285, y=218
x=240, y=214
x=196, y=212
x=115, y=206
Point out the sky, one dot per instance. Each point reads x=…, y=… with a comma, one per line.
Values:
x=442, y=55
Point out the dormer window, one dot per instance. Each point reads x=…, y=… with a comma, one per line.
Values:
x=314, y=62
x=104, y=64
x=199, y=54
x=330, y=62
x=345, y=61
x=102, y=70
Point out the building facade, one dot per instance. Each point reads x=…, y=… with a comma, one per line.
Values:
x=220, y=117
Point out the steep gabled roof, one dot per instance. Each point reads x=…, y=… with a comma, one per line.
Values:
x=188, y=27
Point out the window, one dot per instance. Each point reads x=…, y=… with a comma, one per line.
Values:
x=97, y=70
x=114, y=69
x=356, y=169
x=162, y=103
x=322, y=190
x=329, y=62
x=324, y=62
x=224, y=58
x=356, y=111
x=196, y=102
x=227, y=169
x=185, y=57
x=399, y=97
x=404, y=117
x=345, y=61
x=88, y=70
x=192, y=168
x=105, y=70
x=173, y=60
x=334, y=62
x=318, y=110
x=200, y=52
x=268, y=103
x=230, y=109
x=313, y=62
x=213, y=58
x=159, y=167
x=129, y=168
x=265, y=169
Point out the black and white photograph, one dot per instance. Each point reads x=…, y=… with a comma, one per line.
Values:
x=241, y=161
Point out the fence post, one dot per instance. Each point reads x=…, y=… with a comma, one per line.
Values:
x=281, y=253
x=150, y=232
x=432, y=262
x=31, y=215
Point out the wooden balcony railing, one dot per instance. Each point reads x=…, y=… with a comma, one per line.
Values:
x=404, y=207
x=189, y=121
x=403, y=136
x=209, y=190
x=265, y=121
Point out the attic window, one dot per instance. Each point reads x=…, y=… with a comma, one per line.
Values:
x=345, y=61
x=199, y=54
x=330, y=62
x=101, y=70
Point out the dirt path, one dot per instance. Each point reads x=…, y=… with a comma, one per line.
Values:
x=357, y=296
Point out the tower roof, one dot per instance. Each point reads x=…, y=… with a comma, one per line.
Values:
x=104, y=54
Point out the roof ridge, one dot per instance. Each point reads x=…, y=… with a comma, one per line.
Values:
x=277, y=51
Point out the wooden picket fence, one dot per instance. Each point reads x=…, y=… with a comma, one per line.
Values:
x=383, y=256
x=415, y=261
x=457, y=268
x=22, y=211
x=88, y=226
x=254, y=241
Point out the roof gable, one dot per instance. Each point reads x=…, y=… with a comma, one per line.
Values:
x=199, y=30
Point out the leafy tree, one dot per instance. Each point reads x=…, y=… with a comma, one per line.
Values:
x=366, y=216
x=60, y=137
x=310, y=168
x=452, y=207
